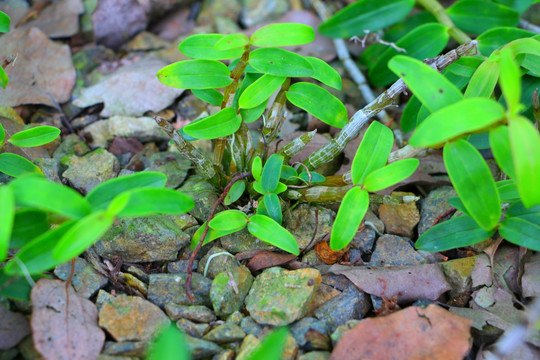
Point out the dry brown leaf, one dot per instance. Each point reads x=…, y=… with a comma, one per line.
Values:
x=58, y=335
x=412, y=333
x=42, y=71
x=58, y=20
x=266, y=259
x=530, y=280
x=326, y=254
x=408, y=283
x=13, y=328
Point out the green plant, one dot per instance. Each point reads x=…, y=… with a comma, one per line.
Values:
x=4, y=27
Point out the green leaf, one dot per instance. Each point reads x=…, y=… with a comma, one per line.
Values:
x=283, y=34
x=431, y=87
x=500, y=146
x=195, y=74
x=412, y=21
x=249, y=79
x=315, y=177
x=373, y=152
x=518, y=5
x=390, y=174
x=2, y=135
x=521, y=232
x=458, y=204
x=82, y=235
x=270, y=207
x=40, y=193
x=36, y=136
x=203, y=46
x=519, y=210
x=531, y=63
x=508, y=191
x=454, y=233
x=16, y=287
x=221, y=124
x=229, y=220
x=324, y=72
x=409, y=117
x=256, y=168
x=260, y=91
x=496, y=38
x=101, y=196
x=15, y=165
x=4, y=22
x=510, y=81
x=231, y=41
x=423, y=42
x=271, y=173
x=288, y=173
x=4, y=80
x=27, y=225
x=253, y=114
x=211, y=96
x=210, y=236
x=464, y=117
x=236, y=191
x=363, y=15
x=350, y=214
x=37, y=255
x=525, y=46
x=477, y=16
x=473, y=182
x=319, y=103
x=525, y=144
x=484, y=79
x=148, y=201
x=272, y=233
x=169, y=345
x=7, y=216
x=271, y=348
x=279, y=62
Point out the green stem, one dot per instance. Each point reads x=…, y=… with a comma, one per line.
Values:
x=335, y=194
x=442, y=17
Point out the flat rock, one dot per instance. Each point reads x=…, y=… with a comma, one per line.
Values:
x=86, y=172
x=225, y=333
x=364, y=240
x=125, y=348
x=350, y=304
x=400, y=219
x=242, y=241
x=392, y=250
x=311, y=334
x=170, y=163
x=301, y=223
x=200, y=348
x=196, y=313
x=204, y=195
x=280, y=297
x=229, y=290
x=191, y=328
x=250, y=326
x=215, y=261
x=254, y=12
x=167, y=288
x=86, y=280
x=315, y=355
x=131, y=318
x=433, y=206
x=458, y=274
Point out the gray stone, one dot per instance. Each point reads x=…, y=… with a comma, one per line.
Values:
x=50, y=167
x=364, y=240
x=433, y=206
x=167, y=288
x=225, y=333
x=458, y=274
x=341, y=329
x=301, y=223
x=254, y=12
x=200, y=348
x=125, y=348
x=311, y=334
x=181, y=266
x=249, y=344
x=170, y=163
x=350, y=304
x=393, y=250
x=102, y=298
x=229, y=290
x=215, y=261
x=213, y=9
x=191, y=328
x=224, y=355
x=236, y=318
x=86, y=172
x=250, y=326
x=196, y=313
x=142, y=239
x=204, y=195
x=400, y=219
x=71, y=145
x=242, y=241
x=312, y=259
x=315, y=355
x=374, y=222
x=86, y=280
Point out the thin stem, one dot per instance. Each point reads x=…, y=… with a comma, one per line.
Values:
x=442, y=17
x=325, y=194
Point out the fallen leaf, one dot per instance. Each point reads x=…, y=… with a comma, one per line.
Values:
x=58, y=20
x=408, y=283
x=326, y=254
x=13, y=328
x=530, y=280
x=412, y=333
x=131, y=90
x=120, y=146
x=265, y=259
x=42, y=72
x=57, y=335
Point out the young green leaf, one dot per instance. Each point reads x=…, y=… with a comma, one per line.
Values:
x=260, y=91
x=271, y=348
x=203, y=46
x=477, y=16
x=473, y=182
x=229, y=220
x=454, y=233
x=82, y=235
x=221, y=124
x=272, y=233
x=4, y=22
x=510, y=81
x=525, y=144
x=456, y=203
x=248, y=79
x=256, y=168
x=423, y=42
x=251, y=115
x=350, y=214
x=148, y=201
x=15, y=165
x=312, y=177
x=169, y=345
x=319, y=103
x=464, y=117
x=519, y=5
x=195, y=74
x=508, y=191
x=235, y=192
x=362, y=15
x=484, y=80
x=283, y=34
x=271, y=173
x=431, y=87
x=373, y=152
x=231, y=41
x=27, y=225
x=7, y=216
x=210, y=236
x=38, y=192
x=270, y=207
x=324, y=72
x=390, y=174
x=279, y=62
x=4, y=80
x=288, y=173
x=525, y=46
x=521, y=232
x=16, y=287
x=496, y=38
x=500, y=146
x=37, y=136
x=2, y=135
x=409, y=117
x=519, y=210
x=211, y=96
x=397, y=31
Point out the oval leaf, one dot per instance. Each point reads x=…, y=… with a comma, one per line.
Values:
x=271, y=207
x=473, y=182
x=279, y=62
x=27, y=225
x=2, y=134
x=272, y=233
x=229, y=220
x=324, y=72
x=256, y=168
x=373, y=152
x=271, y=173
x=464, y=117
x=390, y=174
x=37, y=136
x=4, y=80
x=283, y=34
x=510, y=81
x=148, y=201
x=235, y=192
x=363, y=15
x=521, y=232
x=477, y=16
x=7, y=216
x=195, y=74
x=221, y=124
x=210, y=236
x=211, y=96
x=350, y=214
x=319, y=103
x=260, y=91
x=203, y=46
x=15, y=165
x=253, y=114
x=231, y=41
x=484, y=80
x=500, y=146
x=4, y=22
x=496, y=38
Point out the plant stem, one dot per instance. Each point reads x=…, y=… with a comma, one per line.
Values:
x=442, y=17
x=336, y=193
x=328, y=152
x=296, y=145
